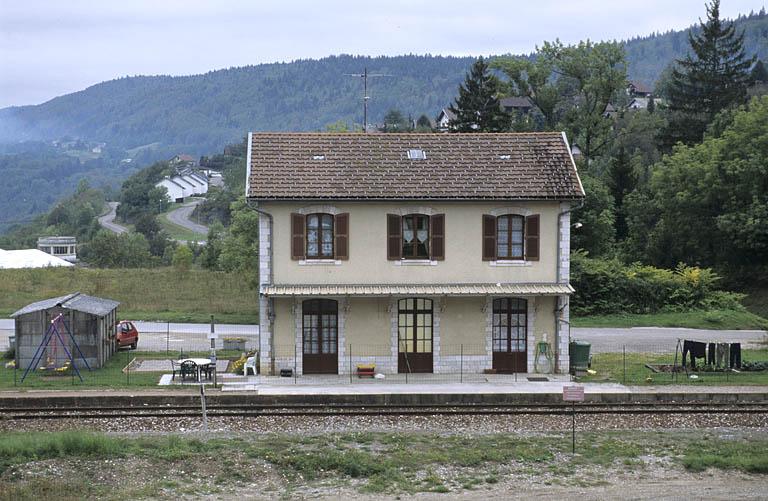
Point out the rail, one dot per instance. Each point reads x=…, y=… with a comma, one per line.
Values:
x=287, y=410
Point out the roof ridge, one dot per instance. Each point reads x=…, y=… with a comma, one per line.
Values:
x=396, y=134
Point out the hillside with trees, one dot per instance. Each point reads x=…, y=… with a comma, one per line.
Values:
x=199, y=114
x=131, y=122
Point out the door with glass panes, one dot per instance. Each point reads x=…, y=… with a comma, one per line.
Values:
x=510, y=335
x=414, y=335
x=320, y=336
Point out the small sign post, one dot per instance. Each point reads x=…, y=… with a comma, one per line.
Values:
x=213, y=337
x=573, y=394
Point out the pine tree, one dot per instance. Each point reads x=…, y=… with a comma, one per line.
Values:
x=651, y=104
x=759, y=73
x=621, y=180
x=477, y=108
x=715, y=77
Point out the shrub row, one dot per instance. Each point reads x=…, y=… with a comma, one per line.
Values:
x=608, y=286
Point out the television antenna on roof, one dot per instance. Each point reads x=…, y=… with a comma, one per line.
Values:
x=365, y=76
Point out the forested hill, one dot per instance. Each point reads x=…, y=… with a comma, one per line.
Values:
x=199, y=114
x=204, y=112
x=648, y=56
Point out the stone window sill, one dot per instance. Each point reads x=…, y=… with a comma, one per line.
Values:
x=319, y=262
x=416, y=262
x=510, y=263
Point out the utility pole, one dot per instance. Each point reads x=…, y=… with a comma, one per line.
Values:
x=365, y=75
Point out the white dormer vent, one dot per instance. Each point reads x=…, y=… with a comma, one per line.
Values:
x=505, y=157
x=417, y=155
x=318, y=157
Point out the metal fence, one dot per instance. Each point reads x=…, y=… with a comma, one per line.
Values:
x=640, y=363
x=154, y=363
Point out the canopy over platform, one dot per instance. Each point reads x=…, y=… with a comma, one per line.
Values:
x=514, y=289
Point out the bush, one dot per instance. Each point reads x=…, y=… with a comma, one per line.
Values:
x=608, y=286
x=9, y=354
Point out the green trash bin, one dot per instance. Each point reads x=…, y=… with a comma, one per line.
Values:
x=579, y=356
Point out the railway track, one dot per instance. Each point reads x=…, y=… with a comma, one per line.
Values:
x=281, y=410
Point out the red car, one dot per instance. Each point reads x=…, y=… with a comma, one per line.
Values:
x=127, y=335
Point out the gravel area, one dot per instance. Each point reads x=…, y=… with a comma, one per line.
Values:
x=444, y=424
x=235, y=475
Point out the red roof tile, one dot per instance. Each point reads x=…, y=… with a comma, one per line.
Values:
x=351, y=166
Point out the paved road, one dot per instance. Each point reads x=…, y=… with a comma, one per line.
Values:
x=181, y=216
x=157, y=336
x=108, y=220
x=661, y=339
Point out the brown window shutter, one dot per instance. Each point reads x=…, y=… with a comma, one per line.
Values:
x=489, y=237
x=298, y=234
x=394, y=237
x=532, y=238
x=437, y=236
x=341, y=236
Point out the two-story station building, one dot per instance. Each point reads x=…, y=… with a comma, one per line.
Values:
x=416, y=252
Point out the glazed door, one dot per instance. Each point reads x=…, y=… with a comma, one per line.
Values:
x=510, y=335
x=320, y=337
x=414, y=335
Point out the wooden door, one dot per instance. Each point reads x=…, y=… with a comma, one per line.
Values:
x=510, y=335
x=320, y=336
x=414, y=335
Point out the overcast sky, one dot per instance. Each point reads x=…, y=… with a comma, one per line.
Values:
x=53, y=47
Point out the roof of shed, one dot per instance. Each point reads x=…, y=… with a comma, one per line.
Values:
x=75, y=301
x=356, y=166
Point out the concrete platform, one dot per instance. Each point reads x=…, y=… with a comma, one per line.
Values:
x=393, y=394
x=521, y=388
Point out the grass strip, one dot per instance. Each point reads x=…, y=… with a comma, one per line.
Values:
x=380, y=462
x=713, y=319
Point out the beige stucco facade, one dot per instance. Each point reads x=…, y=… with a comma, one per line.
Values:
x=367, y=327
x=368, y=333
x=368, y=262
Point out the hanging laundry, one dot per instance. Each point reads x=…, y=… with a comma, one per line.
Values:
x=711, y=354
x=722, y=355
x=696, y=349
x=735, y=353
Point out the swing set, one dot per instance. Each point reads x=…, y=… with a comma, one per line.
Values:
x=52, y=338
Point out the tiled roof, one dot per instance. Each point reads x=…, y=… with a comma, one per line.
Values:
x=534, y=289
x=516, y=102
x=75, y=301
x=353, y=166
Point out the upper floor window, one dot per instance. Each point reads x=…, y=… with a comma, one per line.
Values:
x=510, y=237
x=415, y=236
x=319, y=236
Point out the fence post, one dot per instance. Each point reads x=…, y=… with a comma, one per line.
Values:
x=295, y=374
x=350, y=363
x=624, y=357
x=127, y=368
x=461, y=364
x=168, y=337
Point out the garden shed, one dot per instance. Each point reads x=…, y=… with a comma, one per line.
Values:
x=91, y=320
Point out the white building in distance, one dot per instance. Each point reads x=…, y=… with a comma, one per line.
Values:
x=180, y=187
x=29, y=258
